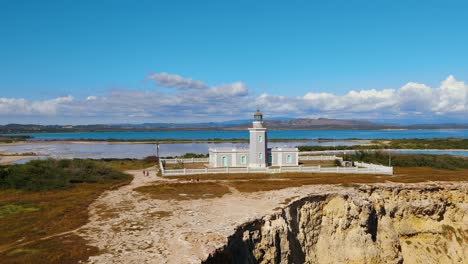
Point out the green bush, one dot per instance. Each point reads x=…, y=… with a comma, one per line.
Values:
x=410, y=160
x=53, y=174
x=413, y=143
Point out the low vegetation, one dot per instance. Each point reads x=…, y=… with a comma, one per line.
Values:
x=410, y=160
x=42, y=199
x=12, y=139
x=435, y=143
x=40, y=175
x=249, y=183
x=184, y=191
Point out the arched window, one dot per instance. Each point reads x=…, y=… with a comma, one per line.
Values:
x=289, y=159
x=225, y=161
x=260, y=138
x=260, y=155
x=243, y=159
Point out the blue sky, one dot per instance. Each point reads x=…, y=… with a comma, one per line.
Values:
x=111, y=61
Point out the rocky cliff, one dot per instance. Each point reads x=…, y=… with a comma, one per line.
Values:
x=370, y=224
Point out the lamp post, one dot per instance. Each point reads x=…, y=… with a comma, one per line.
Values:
x=157, y=150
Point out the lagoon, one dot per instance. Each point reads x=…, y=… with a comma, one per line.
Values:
x=99, y=150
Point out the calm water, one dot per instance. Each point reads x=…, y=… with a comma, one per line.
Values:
x=286, y=134
x=129, y=150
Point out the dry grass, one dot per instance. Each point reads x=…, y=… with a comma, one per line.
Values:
x=129, y=164
x=288, y=180
x=422, y=174
x=323, y=163
x=58, y=211
x=184, y=191
x=63, y=249
x=234, y=176
x=268, y=182
x=185, y=166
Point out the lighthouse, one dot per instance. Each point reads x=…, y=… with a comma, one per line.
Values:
x=258, y=142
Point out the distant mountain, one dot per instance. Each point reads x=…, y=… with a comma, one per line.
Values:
x=322, y=123
x=281, y=123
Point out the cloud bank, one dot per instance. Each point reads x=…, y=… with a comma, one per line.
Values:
x=194, y=100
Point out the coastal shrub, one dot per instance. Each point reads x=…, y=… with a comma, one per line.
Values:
x=412, y=143
x=323, y=148
x=410, y=160
x=53, y=174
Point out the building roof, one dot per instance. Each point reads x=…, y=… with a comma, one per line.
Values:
x=289, y=149
x=228, y=149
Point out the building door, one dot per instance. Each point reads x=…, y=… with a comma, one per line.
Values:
x=225, y=163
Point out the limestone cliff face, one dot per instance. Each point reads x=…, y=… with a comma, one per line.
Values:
x=379, y=224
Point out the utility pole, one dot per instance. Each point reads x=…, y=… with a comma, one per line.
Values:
x=157, y=150
x=389, y=158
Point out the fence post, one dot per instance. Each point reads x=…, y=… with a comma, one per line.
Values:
x=193, y=160
x=247, y=169
x=280, y=169
x=185, y=171
x=319, y=167
x=227, y=169
x=206, y=170
x=300, y=168
x=337, y=169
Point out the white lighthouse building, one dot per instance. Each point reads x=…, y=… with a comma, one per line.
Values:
x=257, y=155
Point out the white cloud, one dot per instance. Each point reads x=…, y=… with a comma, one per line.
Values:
x=451, y=97
x=176, y=81
x=196, y=101
x=233, y=89
x=13, y=106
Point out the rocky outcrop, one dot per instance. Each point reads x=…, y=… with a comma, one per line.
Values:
x=377, y=224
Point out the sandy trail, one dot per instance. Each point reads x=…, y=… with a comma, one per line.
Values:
x=129, y=227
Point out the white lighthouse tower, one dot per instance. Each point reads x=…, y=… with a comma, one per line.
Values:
x=258, y=143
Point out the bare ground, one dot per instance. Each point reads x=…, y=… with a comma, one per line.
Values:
x=129, y=226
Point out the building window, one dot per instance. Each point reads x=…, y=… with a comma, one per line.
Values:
x=260, y=138
x=243, y=160
x=260, y=155
x=270, y=159
x=225, y=161
x=289, y=159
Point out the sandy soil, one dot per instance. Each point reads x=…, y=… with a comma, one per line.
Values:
x=129, y=227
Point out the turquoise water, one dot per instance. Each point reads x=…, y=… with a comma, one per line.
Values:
x=285, y=134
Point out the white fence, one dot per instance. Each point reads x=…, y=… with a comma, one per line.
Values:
x=192, y=160
x=317, y=169
x=360, y=168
